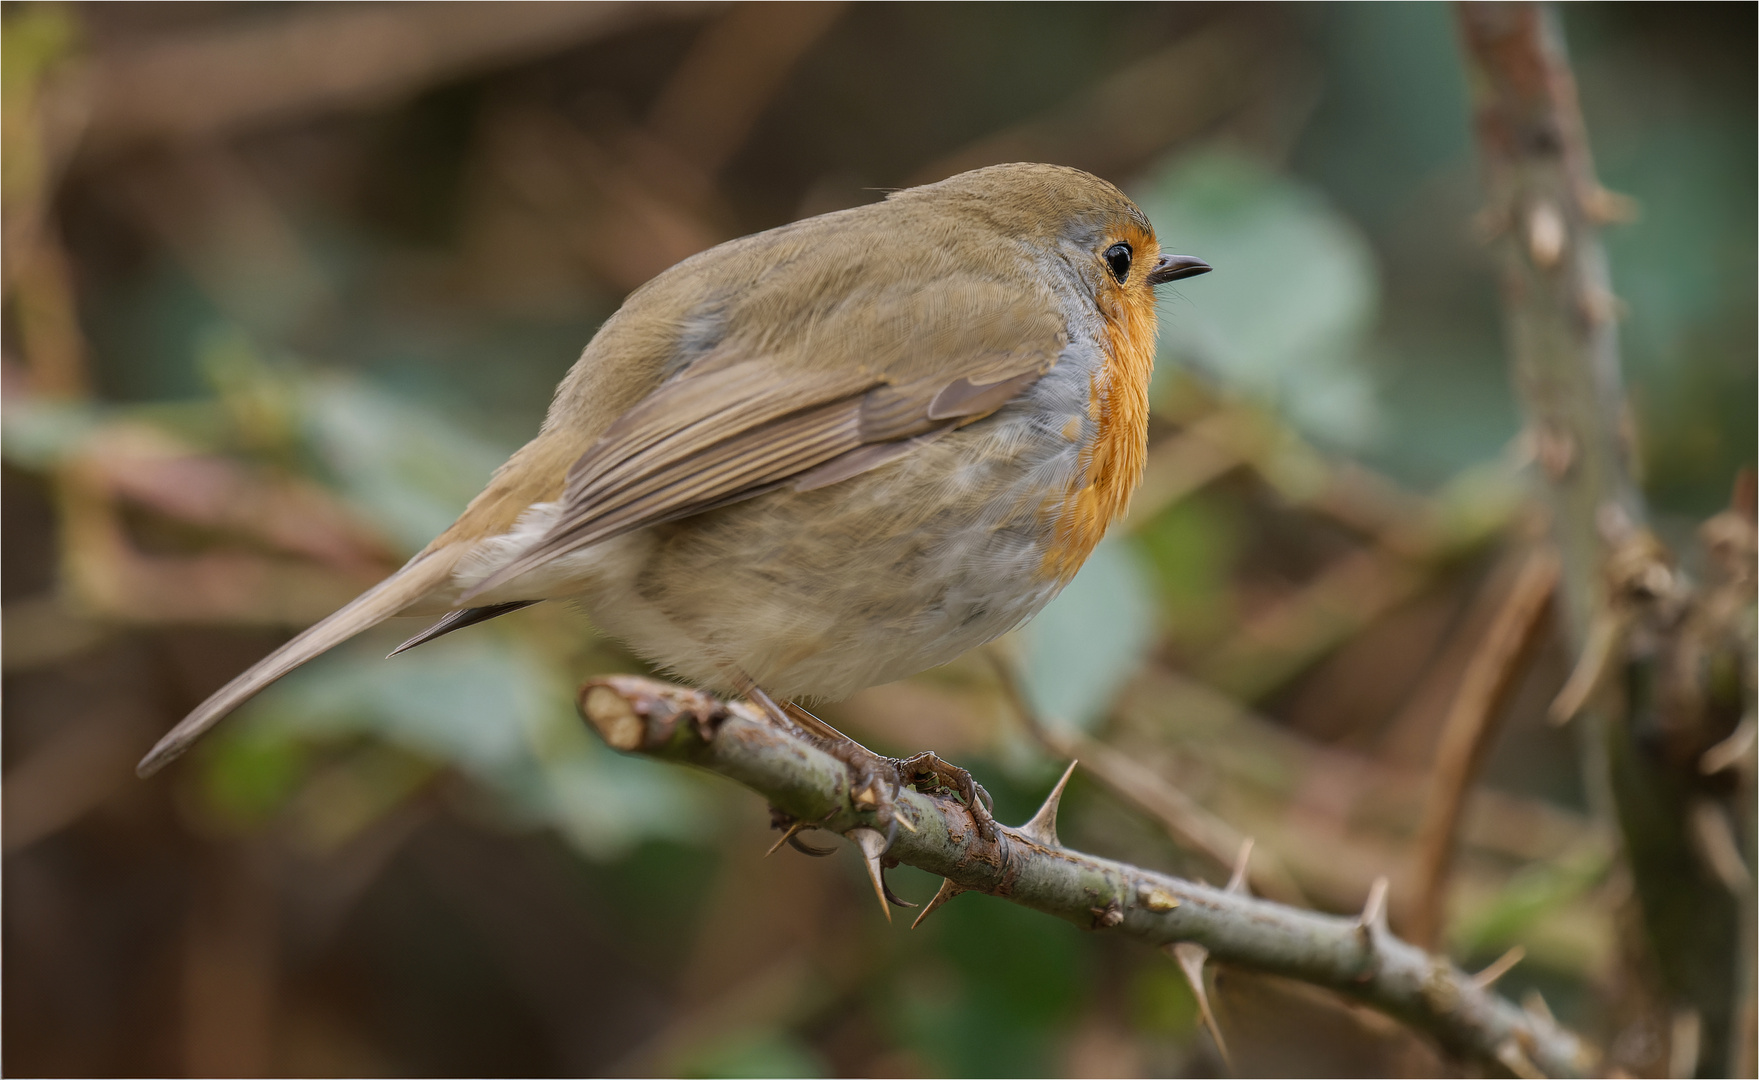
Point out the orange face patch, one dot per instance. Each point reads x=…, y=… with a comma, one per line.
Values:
x=1111, y=464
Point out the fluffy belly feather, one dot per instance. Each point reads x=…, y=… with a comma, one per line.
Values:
x=817, y=594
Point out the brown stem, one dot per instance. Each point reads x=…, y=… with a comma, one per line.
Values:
x=1470, y=728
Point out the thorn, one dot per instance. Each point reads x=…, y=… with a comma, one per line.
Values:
x=1536, y=1007
x=900, y=819
x=1608, y=207
x=1237, y=882
x=1515, y=1060
x=1191, y=958
x=1373, y=918
x=1731, y=750
x=872, y=846
x=866, y=797
x=793, y=831
x=1717, y=847
x=1498, y=968
x=946, y=892
x=1043, y=826
x=1606, y=633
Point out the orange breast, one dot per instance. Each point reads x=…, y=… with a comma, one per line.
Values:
x=1111, y=463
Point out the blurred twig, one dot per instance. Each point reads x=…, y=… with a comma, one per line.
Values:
x=1183, y=817
x=1133, y=115
x=1356, y=957
x=1648, y=643
x=313, y=58
x=1471, y=725
x=731, y=73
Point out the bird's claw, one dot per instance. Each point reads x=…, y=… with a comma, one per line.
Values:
x=912, y=771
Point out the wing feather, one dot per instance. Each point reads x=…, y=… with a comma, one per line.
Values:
x=729, y=428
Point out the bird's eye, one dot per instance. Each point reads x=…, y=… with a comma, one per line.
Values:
x=1117, y=258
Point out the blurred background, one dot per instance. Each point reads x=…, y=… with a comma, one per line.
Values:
x=285, y=282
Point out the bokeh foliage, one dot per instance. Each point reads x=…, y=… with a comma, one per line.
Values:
x=250, y=369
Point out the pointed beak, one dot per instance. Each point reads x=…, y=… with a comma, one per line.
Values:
x=1174, y=267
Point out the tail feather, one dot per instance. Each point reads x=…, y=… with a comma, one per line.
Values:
x=365, y=611
x=458, y=620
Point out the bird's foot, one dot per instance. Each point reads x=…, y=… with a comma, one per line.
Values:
x=878, y=779
x=927, y=767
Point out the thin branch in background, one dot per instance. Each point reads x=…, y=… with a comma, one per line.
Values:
x=1134, y=114
x=733, y=71
x=308, y=60
x=1184, y=819
x=1642, y=632
x=1470, y=728
x=1356, y=957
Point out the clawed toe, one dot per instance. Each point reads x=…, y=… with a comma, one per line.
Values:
x=877, y=780
x=912, y=771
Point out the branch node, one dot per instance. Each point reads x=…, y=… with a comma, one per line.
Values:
x=1104, y=918
x=1157, y=899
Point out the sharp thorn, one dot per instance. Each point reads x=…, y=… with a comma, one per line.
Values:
x=1237, y=883
x=1498, y=968
x=946, y=892
x=793, y=831
x=1373, y=918
x=1515, y=1060
x=1043, y=826
x=1191, y=960
x=1731, y=750
x=1535, y=1005
x=872, y=846
x=1606, y=635
x=900, y=819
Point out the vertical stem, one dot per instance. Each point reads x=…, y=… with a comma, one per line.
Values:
x=1546, y=208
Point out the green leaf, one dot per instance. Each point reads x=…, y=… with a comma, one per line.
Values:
x=1081, y=649
x=1287, y=312
x=496, y=715
x=411, y=470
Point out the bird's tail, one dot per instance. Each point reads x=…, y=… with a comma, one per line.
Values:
x=421, y=575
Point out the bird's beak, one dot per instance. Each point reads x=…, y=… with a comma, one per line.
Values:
x=1174, y=267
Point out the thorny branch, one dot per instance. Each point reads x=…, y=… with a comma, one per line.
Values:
x=1665, y=672
x=1028, y=866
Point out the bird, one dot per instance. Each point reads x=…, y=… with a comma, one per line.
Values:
x=821, y=457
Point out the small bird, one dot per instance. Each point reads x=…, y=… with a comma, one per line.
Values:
x=822, y=457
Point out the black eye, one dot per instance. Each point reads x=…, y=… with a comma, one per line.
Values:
x=1117, y=257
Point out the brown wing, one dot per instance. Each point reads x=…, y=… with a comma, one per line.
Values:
x=658, y=463
x=728, y=429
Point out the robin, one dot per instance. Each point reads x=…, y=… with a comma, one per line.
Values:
x=822, y=457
